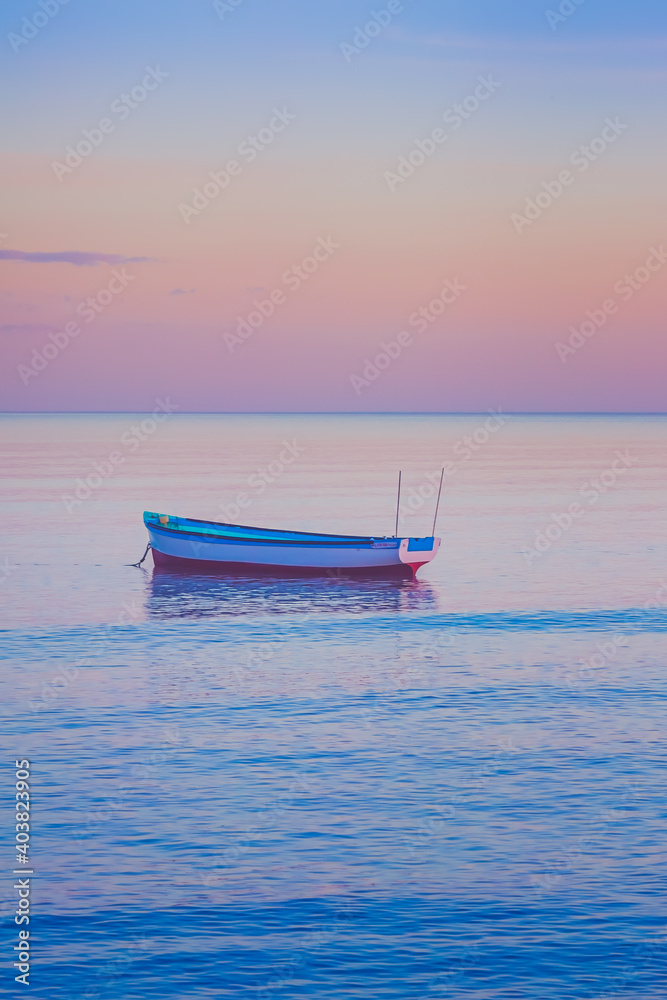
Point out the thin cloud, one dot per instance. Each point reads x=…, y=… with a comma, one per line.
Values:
x=182, y=291
x=80, y=258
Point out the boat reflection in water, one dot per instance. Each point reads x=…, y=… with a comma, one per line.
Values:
x=175, y=595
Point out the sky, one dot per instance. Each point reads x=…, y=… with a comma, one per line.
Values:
x=333, y=205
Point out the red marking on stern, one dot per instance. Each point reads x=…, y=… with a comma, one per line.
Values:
x=415, y=566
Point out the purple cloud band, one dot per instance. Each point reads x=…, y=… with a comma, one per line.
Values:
x=80, y=258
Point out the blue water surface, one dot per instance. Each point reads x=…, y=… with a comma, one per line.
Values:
x=332, y=788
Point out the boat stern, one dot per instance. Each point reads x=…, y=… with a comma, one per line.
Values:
x=416, y=552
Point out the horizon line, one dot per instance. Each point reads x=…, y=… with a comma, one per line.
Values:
x=342, y=413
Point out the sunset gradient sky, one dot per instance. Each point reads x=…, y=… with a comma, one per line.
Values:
x=122, y=227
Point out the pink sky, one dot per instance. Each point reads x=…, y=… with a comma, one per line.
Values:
x=325, y=179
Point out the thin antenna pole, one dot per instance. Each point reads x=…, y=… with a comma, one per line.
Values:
x=437, y=503
x=398, y=504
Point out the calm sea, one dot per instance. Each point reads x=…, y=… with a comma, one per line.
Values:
x=330, y=788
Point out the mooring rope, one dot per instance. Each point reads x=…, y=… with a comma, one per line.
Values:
x=148, y=547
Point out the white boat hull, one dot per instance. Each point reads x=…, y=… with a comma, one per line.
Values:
x=183, y=545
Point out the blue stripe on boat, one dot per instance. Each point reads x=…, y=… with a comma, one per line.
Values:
x=216, y=530
x=239, y=529
x=217, y=537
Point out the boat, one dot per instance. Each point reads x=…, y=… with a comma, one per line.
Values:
x=183, y=544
